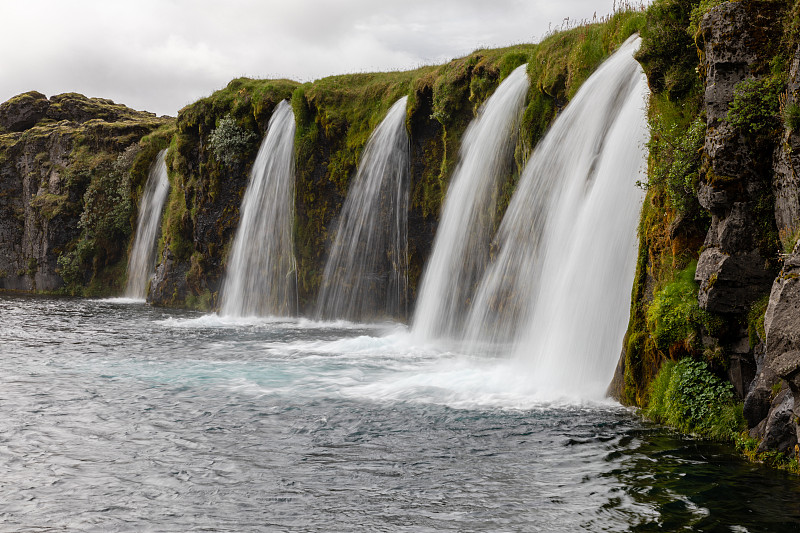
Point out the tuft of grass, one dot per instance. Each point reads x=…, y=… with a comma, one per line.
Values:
x=788, y=461
x=791, y=117
x=697, y=14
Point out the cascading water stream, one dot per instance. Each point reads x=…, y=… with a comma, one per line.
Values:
x=261, y=273
x=461, y=246
x=559, y=287
x=366, y=275
x=142, y=259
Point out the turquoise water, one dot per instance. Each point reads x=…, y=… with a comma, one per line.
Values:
x=115, y=416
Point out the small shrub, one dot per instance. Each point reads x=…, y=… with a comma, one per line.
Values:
x=229, y=140
x=756, y=104
x=668, y=53
x=104, y=221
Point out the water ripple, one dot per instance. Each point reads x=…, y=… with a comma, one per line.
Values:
x=117, y=417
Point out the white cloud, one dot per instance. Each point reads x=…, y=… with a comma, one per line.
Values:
x=162, y=55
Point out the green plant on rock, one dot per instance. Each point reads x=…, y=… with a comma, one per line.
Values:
x=675, y=150
x=791, y=117
x=510, y=61
x=697, y=14
x=755, y=321
x=688, y=397
x=748, y=446
x=229, y=140
x=104, y=221
x=674, y=317
x=668, y=53
x=756, y=104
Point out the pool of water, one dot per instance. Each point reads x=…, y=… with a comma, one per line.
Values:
x=116, y=416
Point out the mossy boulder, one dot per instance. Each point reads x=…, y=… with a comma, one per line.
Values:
x=23, y=111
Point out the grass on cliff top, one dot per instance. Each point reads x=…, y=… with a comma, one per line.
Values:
x=249, y=101
x=353, y=104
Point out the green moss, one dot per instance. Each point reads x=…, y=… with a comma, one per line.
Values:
x=665, y=319
x=697, y=14
x=677, y=137
x=204, y=301
x=33, y=266
x=51, y=205
x=755, y=321
x=176, y=226
x=109, y=280
x=674, y=317
x=150, y=145
x=782, y=460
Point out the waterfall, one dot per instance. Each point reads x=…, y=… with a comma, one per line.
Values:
x=143, y=254
x=366, y=274
x=461, y=246
x=560, y=285
x=261, y=276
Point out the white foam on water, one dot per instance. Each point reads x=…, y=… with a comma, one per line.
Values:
x=121, y=300
x=215, y=320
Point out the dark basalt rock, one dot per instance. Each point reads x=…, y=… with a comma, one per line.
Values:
x=727, y=35
x=777, y=422
x=43, y=183
x=170, y=275
x=759, y=398
x=786, y=163
x=714, y=200
x=730, y=283
x=779, y=431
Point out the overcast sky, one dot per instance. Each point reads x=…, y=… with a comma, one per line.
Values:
x=159, y=55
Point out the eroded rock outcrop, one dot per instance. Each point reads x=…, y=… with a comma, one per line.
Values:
x=775, y=420
x=50, y=150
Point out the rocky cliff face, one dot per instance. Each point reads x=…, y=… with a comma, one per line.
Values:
x=50, y=150
x=748, y=169
x=723, y=163
x=737, y=263
x=772, y=406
